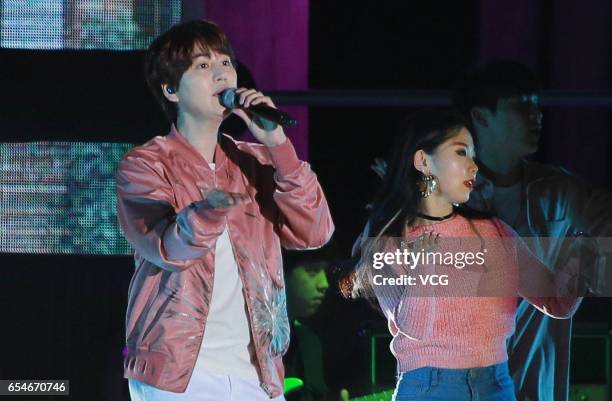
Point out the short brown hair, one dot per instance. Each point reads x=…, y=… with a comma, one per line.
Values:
x=170, y=55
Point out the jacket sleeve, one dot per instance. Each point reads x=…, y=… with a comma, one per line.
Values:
x=145, y=208
x=592, y=212
x=593, y=219
x=555, y=294
x=305, y=220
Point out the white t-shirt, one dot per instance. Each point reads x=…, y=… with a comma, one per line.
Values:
x=226, y=347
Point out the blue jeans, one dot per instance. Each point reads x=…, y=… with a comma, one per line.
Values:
x=491, y=383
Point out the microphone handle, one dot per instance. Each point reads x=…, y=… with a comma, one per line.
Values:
x=273, y=115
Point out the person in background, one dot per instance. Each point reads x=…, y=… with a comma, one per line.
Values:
x=547, y=203
x=306, y=274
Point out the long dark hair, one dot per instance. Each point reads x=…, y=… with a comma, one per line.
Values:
x=398, y=199
x=397, y=202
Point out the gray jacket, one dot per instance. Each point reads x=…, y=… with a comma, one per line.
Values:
x=556, y=208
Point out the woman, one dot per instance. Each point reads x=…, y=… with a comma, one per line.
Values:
x=449, y=338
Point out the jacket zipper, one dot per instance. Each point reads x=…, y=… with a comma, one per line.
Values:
x=263, y=385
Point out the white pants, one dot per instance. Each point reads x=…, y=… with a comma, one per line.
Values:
x=207, y=387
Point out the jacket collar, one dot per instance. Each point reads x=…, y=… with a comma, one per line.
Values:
x=175, y=137
x=482, y=197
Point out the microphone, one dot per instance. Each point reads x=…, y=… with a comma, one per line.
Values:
x=228, y=99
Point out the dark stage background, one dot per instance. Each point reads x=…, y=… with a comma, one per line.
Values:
x=64, y=314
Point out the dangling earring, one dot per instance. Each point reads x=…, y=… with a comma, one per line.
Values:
x=427, y=185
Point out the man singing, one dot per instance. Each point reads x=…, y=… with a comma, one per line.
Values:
x=207, y=216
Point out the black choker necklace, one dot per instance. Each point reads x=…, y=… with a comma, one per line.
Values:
x=427, y=217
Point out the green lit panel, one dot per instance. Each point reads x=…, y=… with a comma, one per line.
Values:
x=59, y=197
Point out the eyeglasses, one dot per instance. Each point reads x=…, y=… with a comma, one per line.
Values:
x=528, y=105
x=532, y=99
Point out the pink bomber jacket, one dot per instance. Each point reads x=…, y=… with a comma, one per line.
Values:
x=174, y=231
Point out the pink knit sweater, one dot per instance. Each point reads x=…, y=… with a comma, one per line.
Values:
x=456, y=326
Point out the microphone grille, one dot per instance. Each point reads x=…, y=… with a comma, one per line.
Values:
x=227, y=98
